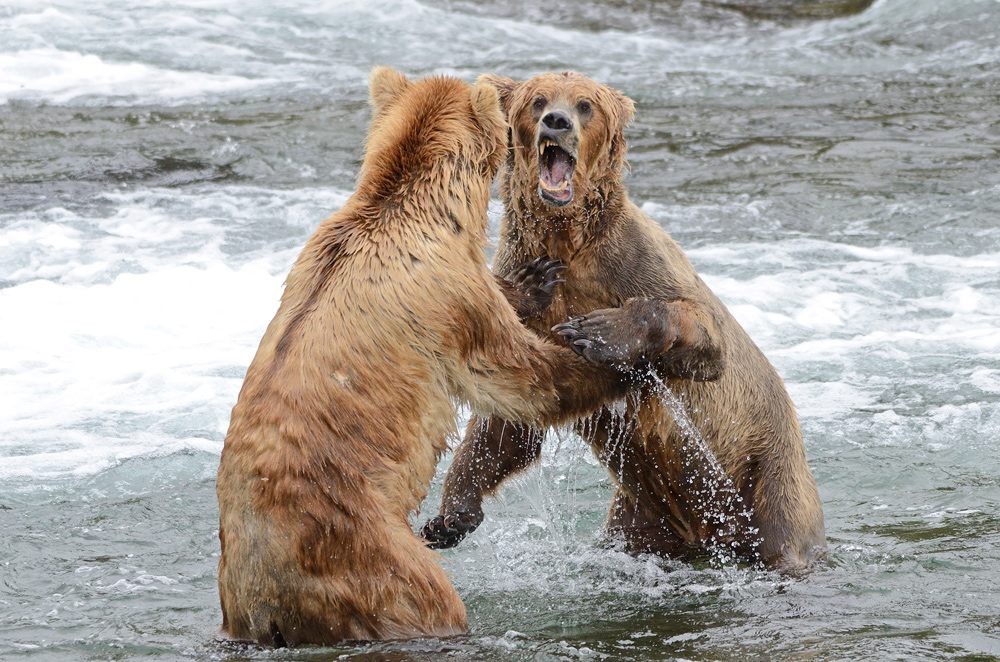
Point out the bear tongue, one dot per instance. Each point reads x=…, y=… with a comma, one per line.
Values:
x=557, y=166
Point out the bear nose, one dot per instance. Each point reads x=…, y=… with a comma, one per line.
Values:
x=557, y=121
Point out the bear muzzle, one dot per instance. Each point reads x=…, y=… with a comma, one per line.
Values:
x=558, y=136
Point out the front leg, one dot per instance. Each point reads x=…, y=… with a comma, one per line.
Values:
x=493, y=450
x=677, y=337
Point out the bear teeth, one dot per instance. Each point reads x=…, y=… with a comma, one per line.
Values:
x=546, y=143
x=554, y=189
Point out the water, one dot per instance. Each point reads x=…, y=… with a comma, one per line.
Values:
x=835, y=182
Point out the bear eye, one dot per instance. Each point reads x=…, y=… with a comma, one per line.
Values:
x=539, y=103
x=584, y=107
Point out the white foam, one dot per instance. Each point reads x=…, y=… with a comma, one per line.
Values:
x=147, y=363
x=61, y=76
x=827, y=400
x=161, y=228
x=128, y=334
x=847, y=299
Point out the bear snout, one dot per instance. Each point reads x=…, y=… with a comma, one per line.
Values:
x=556, y=122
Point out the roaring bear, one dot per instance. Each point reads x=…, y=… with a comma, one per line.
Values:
x=707, y=452
x=389, y=316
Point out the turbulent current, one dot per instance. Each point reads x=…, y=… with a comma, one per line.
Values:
x=831, y=167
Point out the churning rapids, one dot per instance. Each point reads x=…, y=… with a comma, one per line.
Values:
x=831, y=167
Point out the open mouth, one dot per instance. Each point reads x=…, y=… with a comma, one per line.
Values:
x=555, y=173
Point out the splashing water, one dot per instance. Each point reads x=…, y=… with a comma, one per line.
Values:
x=723, y=513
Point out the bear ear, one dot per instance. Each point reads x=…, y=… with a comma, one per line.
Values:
x=504, y=87
x=384, y=86
x=486, y=109
x=625, y=110
x=486, y=104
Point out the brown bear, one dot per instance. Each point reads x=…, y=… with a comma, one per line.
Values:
x=707, y=452
x=389, y=316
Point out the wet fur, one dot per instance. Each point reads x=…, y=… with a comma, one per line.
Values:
x=639, y=302
x=389, y=317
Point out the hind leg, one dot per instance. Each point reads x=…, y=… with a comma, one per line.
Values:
x=642, y=531
x=390, y=592
x=789, y=519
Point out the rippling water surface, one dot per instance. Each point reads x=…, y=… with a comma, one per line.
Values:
x=831, y=167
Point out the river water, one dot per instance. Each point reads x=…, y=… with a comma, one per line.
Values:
x=832, y=169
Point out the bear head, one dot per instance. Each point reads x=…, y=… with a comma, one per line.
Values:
x=418, y=126
x=565, y=129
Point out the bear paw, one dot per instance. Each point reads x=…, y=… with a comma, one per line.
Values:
x=616, y=337
x=534, y=283
x=446, y=531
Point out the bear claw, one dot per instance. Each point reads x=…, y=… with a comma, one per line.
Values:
x=586, y=336
x=540, y=273
x=446, y=531
x=574, y=334
x=536, y=281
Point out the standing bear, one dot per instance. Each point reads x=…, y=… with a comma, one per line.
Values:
x=389, y=317
x=707, y=452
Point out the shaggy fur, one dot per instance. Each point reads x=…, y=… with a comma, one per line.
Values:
x=636, y=300
x=389, y=316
